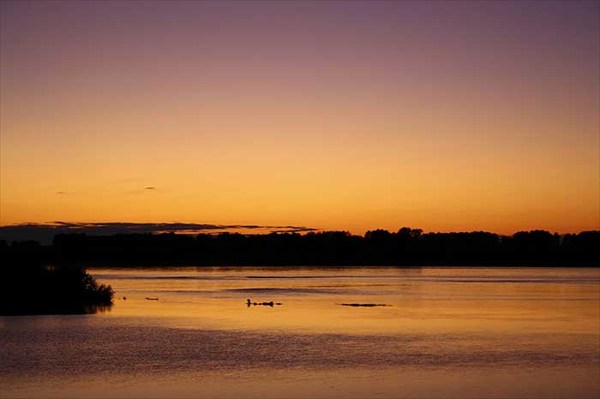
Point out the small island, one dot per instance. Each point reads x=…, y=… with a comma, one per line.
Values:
x=29, y=286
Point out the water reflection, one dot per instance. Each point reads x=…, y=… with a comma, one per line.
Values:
x=446, y=333
x=428, y=299
x=76, y=309
x=93, y=309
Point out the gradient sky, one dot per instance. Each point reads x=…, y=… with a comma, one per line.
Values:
x=345, y=115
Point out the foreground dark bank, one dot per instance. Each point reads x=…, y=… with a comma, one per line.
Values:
x=27, y=286
x=407, y=247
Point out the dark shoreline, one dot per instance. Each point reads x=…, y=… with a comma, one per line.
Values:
x=52, y=279
x=32, y=288
x=405, y=248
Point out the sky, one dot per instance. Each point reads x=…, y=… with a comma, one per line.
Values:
x=341, y=115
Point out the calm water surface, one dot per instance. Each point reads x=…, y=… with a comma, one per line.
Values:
x=445, y=333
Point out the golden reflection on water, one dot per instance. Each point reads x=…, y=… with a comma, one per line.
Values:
x=429, y=300
x=447, y=333
x=341, y=383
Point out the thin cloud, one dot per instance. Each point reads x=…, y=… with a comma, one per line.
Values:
x=44, y=232
x=143, y=190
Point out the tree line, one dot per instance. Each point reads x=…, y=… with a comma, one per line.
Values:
x=405, y=247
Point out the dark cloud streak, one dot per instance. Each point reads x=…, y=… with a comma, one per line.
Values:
x=44, y=232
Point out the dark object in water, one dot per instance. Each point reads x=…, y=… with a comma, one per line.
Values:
x=148, y=298
x=271, y=304
x=366, y=305
x=30, y=286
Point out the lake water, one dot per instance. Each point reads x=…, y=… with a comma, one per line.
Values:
x=445, y=333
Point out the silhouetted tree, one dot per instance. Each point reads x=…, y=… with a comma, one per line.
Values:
x=330, y=248
x=29, y=286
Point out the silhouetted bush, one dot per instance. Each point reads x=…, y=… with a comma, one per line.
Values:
x=27, y=286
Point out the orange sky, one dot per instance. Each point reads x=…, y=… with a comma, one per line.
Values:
x=445, y=116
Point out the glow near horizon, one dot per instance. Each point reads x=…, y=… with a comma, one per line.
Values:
x=334, y=115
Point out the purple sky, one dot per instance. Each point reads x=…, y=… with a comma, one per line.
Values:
x=345, y=114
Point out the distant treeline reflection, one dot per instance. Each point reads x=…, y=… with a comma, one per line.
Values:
x=378, y=247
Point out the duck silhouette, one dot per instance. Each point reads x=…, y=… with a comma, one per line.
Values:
x=271, y=303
